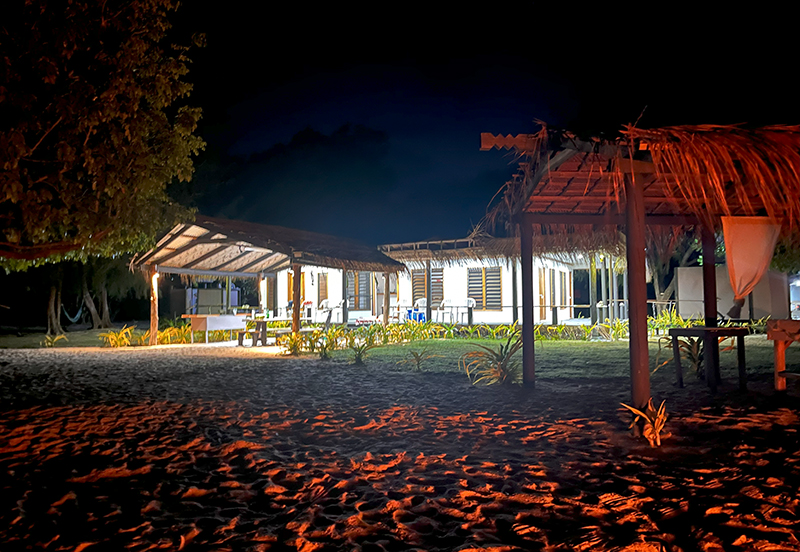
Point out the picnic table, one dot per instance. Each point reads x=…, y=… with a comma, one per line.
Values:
x=262, y=330
x=712, y=353
x=783, y=333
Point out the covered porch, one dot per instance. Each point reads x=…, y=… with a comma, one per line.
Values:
x=581, y=189
x=228, y=248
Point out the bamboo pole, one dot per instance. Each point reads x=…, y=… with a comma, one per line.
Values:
x=152, y=273
x=637, y=281
x=296, y=270
x=526, y=259
x=386, y=298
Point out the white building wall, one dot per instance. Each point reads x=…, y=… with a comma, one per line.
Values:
x=770, y=296
x=455, y=282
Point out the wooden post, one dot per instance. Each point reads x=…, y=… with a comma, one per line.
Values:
x=625, y=295
x=386, y=303
x=637, y=281
x=296, y=270
x=604, y=288
x=526, y=259
x=514, y=300
x=780, y=363
x=152, y=274
x=428, y=291
x=711, y=345
x=259, y=280
x=612, y=289
x=593, y=288
x=345, y=314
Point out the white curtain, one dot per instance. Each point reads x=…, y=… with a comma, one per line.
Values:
x=749, y=245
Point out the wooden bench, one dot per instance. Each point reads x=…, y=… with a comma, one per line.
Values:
x=711, y=357
x=783, y=333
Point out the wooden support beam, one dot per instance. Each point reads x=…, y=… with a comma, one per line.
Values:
x=345, y=313
x=428, y=296
x=386, y=298
x=272, y=257
x=635, y=248
x=216, y=251
x=261, y=297
x=229, y=262
x=604, y=287
x=147, y=256
x=526, y=260
x=593, y=289
x=296, y=270
x=514, y=298
x=152, y=277
x=711, y=345
x=610, y=219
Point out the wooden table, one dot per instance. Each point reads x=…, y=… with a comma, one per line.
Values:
x=711, y=336
x=206, y=322
x=783, y=333
x=263, y=330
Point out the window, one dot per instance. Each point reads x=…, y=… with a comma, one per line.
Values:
x=322, y=287
x=563, y=281
x=483, y=285
x=437, y=285
x=359, y=290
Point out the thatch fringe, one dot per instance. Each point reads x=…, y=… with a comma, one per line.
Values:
x=727, y=170
x=709, y=171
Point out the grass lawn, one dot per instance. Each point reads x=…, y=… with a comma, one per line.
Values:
x=569, y=359
x=84, y=338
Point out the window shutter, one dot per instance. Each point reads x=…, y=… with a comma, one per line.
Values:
x=475, y=286
x=322, y=287
x=494, y=295
x=437, y=286
x=364, y=291
x=417, y=285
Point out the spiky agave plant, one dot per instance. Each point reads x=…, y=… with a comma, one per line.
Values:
x=491, y=366
x=654, y=421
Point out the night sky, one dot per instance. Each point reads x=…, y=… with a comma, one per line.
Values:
x=365, y=123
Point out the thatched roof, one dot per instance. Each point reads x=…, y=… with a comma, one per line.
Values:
x=235, y=248
x=691, y=174
x=485, y=249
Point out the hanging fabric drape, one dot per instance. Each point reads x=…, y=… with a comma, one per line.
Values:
x=749, y=246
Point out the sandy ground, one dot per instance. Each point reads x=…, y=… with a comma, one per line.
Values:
x=222, y=448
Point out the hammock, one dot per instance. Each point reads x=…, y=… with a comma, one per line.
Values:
x=73, y=319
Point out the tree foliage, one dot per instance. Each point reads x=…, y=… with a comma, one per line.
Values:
x=90, y=129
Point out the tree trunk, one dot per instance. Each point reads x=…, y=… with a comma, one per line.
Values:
x=105, y=322
x=54, y=308
x=89, y=302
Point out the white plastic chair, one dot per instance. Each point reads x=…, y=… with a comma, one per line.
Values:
x=445, y=310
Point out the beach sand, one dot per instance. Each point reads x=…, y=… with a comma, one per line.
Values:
x=225, y=448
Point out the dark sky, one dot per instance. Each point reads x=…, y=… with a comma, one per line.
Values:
x=417, y=85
